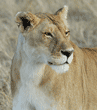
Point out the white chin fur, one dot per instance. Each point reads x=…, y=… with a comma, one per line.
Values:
x=60, y=69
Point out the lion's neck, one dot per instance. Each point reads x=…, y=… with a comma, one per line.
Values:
x=31, y=73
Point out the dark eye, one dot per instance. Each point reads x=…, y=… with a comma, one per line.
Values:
x=48, y=34
x=67, y=33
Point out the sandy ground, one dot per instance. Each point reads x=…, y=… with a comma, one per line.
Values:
x=82, y=19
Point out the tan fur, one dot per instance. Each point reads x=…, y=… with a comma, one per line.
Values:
x=77, y=88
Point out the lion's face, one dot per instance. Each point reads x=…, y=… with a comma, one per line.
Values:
x=47, y=39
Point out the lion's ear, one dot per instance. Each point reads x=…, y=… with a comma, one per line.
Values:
x=26, y=21
x=62, y=13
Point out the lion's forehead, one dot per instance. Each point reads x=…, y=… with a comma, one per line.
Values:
x=54, y=22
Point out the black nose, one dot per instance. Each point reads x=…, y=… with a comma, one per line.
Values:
x=67, y=53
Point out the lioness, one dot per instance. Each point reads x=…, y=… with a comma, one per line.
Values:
x=49, y=72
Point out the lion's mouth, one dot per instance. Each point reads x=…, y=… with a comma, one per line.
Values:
x=50, y=63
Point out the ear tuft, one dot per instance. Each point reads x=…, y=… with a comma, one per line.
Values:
x=62, y=13
x=26, y=21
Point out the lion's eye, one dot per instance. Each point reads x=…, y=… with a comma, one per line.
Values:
x=48, y=34
x=67, y=33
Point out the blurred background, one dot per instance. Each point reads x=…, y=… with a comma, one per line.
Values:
x=82, y=20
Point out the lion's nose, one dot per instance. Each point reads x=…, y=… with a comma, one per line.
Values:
x=67, y=52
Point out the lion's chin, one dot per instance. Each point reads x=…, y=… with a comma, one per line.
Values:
x=63, y=68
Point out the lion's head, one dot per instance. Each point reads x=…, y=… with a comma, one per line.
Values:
x=47, y=38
